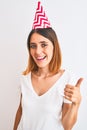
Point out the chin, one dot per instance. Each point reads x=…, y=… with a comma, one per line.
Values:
x=42, y=66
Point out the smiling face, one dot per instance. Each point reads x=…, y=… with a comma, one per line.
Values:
x=41, y=50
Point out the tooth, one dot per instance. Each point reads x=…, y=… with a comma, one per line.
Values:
x=40, y=57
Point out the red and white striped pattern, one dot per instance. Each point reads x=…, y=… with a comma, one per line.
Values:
x=40, y=20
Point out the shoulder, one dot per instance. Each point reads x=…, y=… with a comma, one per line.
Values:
x=66, y=75
x=71, y=76
x=25, y=81
x=25, y=78
x=22, y=76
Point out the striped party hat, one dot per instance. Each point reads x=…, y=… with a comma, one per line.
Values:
x=40, y=20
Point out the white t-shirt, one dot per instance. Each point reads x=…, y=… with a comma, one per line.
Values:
x=42, y=112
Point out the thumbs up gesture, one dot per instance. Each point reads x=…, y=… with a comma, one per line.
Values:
x=72, y=93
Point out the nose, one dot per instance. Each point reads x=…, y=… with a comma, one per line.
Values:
x=38, y=50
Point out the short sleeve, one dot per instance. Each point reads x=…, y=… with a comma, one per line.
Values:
x=20, y=86
x=20, y=83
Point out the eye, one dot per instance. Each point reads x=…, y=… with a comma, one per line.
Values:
x=33, y=46
x=43, y=45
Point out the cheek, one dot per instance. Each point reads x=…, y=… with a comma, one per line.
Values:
x=31, y=52
x=50, y=52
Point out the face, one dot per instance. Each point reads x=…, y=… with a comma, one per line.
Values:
x=41, y=50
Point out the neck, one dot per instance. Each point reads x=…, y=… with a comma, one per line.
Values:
x=43, y=73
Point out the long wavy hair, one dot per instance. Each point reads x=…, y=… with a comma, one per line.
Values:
x=56, y=60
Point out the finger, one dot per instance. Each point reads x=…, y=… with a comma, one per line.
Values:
x=79, y=82
x=68, y=87
x=68, y=94
x=69, y=90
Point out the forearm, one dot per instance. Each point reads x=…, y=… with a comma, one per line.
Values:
x=70, y=112
x=70, y=117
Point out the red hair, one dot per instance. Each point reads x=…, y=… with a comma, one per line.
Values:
x=55, y=63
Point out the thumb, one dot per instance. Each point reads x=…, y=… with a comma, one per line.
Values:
x=79, y=82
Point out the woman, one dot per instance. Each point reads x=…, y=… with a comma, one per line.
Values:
x=48, y=100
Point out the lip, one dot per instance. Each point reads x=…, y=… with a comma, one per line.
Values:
x=40, y=58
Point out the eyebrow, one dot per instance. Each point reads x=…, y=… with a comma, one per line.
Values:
x=42, y=42
x=39, y=42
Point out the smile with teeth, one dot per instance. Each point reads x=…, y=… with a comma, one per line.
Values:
x=41, y=58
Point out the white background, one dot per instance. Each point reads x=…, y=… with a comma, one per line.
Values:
x=69, y=19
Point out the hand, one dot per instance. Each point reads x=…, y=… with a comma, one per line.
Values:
x=72, y=93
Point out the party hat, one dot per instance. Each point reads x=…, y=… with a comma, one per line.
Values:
x=40, y=20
